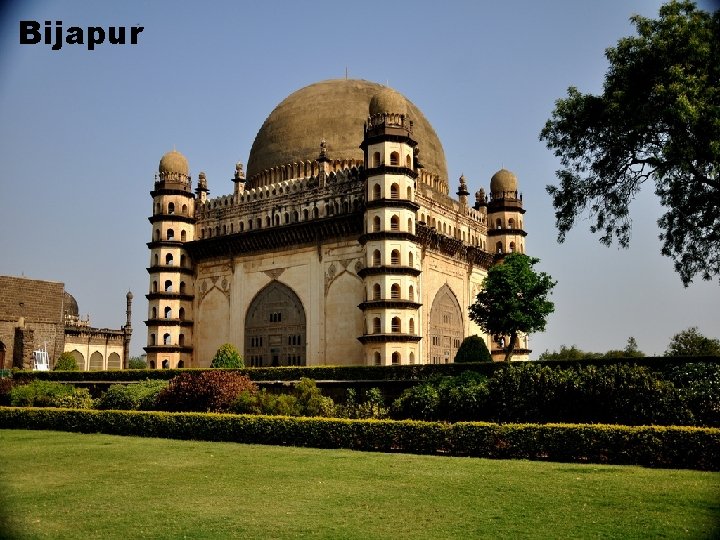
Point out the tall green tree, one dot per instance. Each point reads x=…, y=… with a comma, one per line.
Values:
x=513, y=300
x=227, y=356
x=657, y=119
x=691, y=342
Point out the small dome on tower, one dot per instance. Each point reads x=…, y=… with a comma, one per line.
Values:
x=174, y=162
x=503, y=181
x=387, y=100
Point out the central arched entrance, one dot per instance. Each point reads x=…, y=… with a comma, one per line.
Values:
x=446, y=327
x=275, y=331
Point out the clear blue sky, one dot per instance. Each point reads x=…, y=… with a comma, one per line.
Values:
x=81, y=134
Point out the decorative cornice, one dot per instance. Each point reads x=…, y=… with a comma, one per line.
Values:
x=171, y=191
x=503, y=232
x=167, y=348
x=163, y=218
x=168, y=322
x=387, y=235
x=161, y=295
x=394, y=270
x=392, y=203
x=389, y=338
x=166, y=268
x=391, y=169
x=389, y=304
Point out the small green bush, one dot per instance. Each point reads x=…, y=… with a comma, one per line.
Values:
x=66, y=362
x=472, y=349
x=310, y=400
x=79, y=399
x=141, y=396
x=305, y=400
x=204, y=391
x=227, y=356
x=39, y=394
x=367, y=404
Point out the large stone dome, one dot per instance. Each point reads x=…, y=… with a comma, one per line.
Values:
x=503, y=182
x=173, y=162
x=336, y=111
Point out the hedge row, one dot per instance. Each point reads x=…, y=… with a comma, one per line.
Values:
x=350, y=373
x=676, y=447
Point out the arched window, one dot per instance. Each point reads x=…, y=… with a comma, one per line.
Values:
x=411, y=259
x=183, y=235
x=183, y=260
x=296, y=217
x=182, y=287
x=316, y=212
x=376, y=258
x=378, y=359
x=498, y=223
x=154, y=286
x=394, y=159
x=258, y=223
x=498, y=247
x=396, y=325
x=395, y=257
x=184, y=210
x=395, y=291
x=511, y=223
x=170, y=234
x=394, y=223
x=152, y=339
x=169, y=259
x=268, y=222
x=376, y=159
x=157, y=234
x=408, y=161
x=168, y=312
x=157, y=260
x=394, y=191
x=411, y=293
x=157, y=208
x=377, y=293
x=412, y=358
x=410, y=225
x=181, y=313
x=154, y=313
x=376, y=223
x=168, y=285
x=166, y=339
x=376, y=192
x=181, y=340
x=396, y=358
x=171, y=208
x=411, y=326
x=306, y=215
x=166, y=364
x=287, y=218
x=512, y=247
x=376, y=325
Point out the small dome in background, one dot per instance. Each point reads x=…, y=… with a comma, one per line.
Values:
x=174, y=162
x=387, y=100
x=70, y=306
x=503, y=181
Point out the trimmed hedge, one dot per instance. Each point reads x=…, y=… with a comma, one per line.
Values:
x=676, y=447
x=416, y=372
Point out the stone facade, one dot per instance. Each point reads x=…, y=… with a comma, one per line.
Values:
x=357, y=258
x=36, y=314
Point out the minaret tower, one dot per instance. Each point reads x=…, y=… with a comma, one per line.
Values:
x=391, y=309
x=127, y=329
x=505, y=215
x=170, y=300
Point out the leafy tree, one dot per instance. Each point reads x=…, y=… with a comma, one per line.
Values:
x=690, y=342
x=227, y=356
x=473, y=349
x=568, y=353
x=137, y=363
x=657, y=118
x=631, y=350
x=513, y=299
x=66, y=362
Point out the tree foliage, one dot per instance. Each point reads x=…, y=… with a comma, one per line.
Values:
x=657, y=118
x=227, y=356
x=473, y=349
x=690, y=342
x=137, y=363
x=66, y=362
x=513, y=299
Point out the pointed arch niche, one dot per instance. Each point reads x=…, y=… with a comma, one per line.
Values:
x=275, y=328
x=446, y=327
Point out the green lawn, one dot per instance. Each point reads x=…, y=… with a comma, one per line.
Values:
x=68, y=485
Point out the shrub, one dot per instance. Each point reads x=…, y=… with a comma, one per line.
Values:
x=6, y=384
x=699, y=384
x=305, y=400
x=204, y=391
x=39, y=394
x=227, y=356
x=367, y=404
x=79, y=399
x=310, y=400
x=141, y=396
x=472, y=349
x=66, y=362
x=421, y=402
x=137, y=363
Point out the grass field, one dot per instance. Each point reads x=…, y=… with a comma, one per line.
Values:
x=66, y=485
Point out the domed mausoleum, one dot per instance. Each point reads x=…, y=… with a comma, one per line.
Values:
x=340, y=244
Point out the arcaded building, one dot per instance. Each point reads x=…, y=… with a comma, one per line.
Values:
x=41, y=315
x=340, y=245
